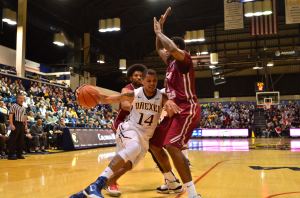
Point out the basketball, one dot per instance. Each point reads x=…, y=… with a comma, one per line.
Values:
x=87, y=96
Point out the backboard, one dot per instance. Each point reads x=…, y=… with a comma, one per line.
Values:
x=267, y=98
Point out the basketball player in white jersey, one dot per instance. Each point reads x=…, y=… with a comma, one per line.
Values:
x=133, y=134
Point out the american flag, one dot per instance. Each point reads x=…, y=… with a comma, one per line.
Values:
x=265, y=24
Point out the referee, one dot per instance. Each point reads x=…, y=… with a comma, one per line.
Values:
x=18, y=123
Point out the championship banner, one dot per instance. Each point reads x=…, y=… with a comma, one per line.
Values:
x=233, y=15
x=81, y=138
x=292, y=11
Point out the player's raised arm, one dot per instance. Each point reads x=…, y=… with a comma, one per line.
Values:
x=87, y=93
x=167, y=43
x=129, y=96
x=112, y=99
x=159, y=47
x=125, y=104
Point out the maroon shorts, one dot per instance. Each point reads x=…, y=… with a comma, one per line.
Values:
x=177, y=130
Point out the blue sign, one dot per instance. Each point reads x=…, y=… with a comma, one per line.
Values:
x=197, y=133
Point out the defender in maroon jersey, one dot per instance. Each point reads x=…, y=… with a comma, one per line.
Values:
x=122, y=114
x=134, y=74
x=173, y=133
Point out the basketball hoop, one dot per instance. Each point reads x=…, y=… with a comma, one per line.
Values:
x=268, y=105
x=267, y=99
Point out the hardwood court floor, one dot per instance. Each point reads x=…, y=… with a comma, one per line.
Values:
x=221, y=169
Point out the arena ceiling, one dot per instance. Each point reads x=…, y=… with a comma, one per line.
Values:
x=134, y=42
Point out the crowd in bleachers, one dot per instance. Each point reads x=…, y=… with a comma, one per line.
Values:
x=53, y=105
x=281, y=118
x=278, y=119
x=227, y=115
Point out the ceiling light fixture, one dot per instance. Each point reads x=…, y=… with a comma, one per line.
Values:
x=59, y=39
x=270, y=64
x=122, y=64
x=9, y=16
x=257, y=68
x=102, y=25
x=248, y=9
x=214, y=58
x=194, y=36
x=109, y=25
x=267, y=7
x=204, y=50
x=101, y=59
x=258, y=8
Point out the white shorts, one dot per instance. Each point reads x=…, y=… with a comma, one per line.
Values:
x=125, y=139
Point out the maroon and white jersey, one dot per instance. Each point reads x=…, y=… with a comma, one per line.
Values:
x=122, y=114
x=180, y=82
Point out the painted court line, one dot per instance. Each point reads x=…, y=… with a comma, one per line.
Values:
x=203, y=175
x=286, y=193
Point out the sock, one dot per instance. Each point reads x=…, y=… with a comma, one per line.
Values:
x=107, y=173
x=190, y=188
x=170, y=176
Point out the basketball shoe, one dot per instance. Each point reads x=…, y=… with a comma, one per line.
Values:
x=78, y=195
x=113, y=190
x=170, y=187
x=94, y=189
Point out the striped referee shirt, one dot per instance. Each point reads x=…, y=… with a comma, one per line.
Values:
x=18, y=111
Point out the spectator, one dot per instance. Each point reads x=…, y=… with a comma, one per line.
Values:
x=58, y=131
x=3, y=119
x=39, y=136
x=30, y=117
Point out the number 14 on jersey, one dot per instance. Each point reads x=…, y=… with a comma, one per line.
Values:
x=143, y=120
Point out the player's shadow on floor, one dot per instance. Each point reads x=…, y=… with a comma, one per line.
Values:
x=128, y=192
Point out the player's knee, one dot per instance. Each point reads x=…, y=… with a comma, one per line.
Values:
x=152, y=147
x=128, y=166
x=172, y=149
x=135, y=149
x=159, y=153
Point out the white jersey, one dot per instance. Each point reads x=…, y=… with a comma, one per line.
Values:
x=144, y=115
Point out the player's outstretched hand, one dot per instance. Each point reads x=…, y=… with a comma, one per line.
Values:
x=163, y=17
x=172, y=108
x=156, y=26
